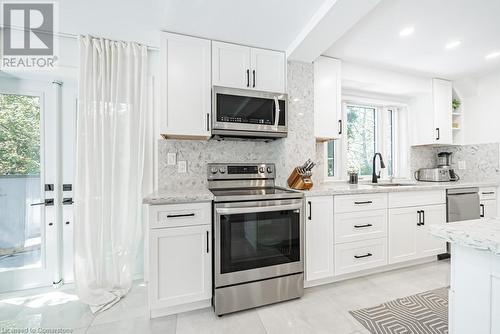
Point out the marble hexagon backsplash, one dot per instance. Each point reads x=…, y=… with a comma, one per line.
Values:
x=481, y=160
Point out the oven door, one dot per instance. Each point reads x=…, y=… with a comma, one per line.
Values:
x=257, y=240
x=248, y=111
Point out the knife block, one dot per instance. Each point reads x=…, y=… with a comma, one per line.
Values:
x=299, y=181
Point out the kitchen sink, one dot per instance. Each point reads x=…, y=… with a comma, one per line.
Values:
x=393, y=184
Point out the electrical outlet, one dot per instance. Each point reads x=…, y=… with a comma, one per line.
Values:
x=182, y=167
x=171, y=159
x=461, y=164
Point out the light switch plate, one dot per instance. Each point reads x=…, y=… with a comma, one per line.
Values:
x=461, y=164
x=182, y=167
x=171, y=158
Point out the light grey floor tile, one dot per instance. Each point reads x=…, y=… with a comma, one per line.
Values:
x=205, y=321
x=164, y=325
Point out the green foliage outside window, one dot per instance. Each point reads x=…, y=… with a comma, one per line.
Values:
x=19, y=134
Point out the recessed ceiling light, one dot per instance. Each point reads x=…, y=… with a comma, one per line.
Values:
x=453, y=44
x=406, y=31
x=492, y=55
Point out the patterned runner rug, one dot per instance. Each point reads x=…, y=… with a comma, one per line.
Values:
x=423, y=313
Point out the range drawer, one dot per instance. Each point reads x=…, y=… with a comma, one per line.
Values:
x=487, y=193
x=361, y=255
x=357, y=226
x=175, y=215
x=362, y=202
x=416, y=198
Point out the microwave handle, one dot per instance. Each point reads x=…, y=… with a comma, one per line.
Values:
x=276, y=111
x=233, y=211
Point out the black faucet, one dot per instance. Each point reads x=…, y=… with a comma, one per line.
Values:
x=376, y=176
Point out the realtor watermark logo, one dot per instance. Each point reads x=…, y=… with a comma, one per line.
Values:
x=28, y=35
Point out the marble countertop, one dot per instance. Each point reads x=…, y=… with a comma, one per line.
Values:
x=340, y=188
x=481, y=234
x=202, y=194
x=179, y=196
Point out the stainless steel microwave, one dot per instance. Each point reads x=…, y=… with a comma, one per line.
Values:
x=245, y=113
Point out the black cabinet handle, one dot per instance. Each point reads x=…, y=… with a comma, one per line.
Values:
x=248, y=78
x=361, y=226
x=181, y=215
x=340, y=126
x=310, y=210
x=488, y=192
x=47, y=202
x=67, y=201
x=481, y=210
x=423, y=217
x=419, y=220
x=253, y=74
x=362, y=256
x=208, y=122
x=364, y=202
x=438, y=134
x=208, y=240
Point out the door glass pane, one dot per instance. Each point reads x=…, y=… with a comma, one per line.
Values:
x=361, y=135
x=255, y=240
x=20, y=182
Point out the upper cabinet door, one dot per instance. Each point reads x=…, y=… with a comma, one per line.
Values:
x=327, y=99
x=442, y=97
x=231, y=65
x=268, y=70
x=185, y=86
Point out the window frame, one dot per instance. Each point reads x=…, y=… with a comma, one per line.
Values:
x=398, y=117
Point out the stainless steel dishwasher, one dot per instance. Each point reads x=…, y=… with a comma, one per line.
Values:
x=461, y=204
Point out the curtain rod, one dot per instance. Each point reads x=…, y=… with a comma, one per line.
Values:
x=73, y=36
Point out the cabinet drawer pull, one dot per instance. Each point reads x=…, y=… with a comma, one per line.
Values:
x=362, y=256
x=438, y=134
x=208, y=122
x=181, y=215
x=253, y=73
x=310, y=210
x=208, y=242
x=488, y=193
x=363, y=202
x=361, y=226
x=248, y=78
x=340, y=126
x=481, y=210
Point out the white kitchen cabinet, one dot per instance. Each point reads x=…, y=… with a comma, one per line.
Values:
x=180, y=266
x=238, y=66
x=431, y=115
x=327, y=99
x=230, y=65
x=360, y=255
x=442, y=97
x=319, y=238
x=488, y=208
x=409, y=237
x=185, y=86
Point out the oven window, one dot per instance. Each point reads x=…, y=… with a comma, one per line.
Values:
x=255, y=240
x=251, y=110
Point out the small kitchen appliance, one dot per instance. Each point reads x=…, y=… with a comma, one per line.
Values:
x=258, y=237
x=442, y=173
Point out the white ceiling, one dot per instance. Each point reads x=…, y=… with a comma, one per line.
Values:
x=375, y=39
x=270, y=24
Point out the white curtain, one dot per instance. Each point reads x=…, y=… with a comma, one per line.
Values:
x=110, y=150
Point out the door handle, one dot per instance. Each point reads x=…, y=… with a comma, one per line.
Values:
x=481, y=210
x=362, y=256
x=253, y=74
x=47, y=202
x=310, y=210
x=67, y=201
x=438, y=134
x=248, y=78
x=361, y=226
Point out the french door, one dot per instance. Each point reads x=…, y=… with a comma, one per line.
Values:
x=35, y=183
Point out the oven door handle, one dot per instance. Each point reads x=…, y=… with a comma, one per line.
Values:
x=232, y=211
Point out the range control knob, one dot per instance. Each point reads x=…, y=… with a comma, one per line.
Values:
x=222, y=170
x=269, y=169
x=261, y=170
x=214, y=170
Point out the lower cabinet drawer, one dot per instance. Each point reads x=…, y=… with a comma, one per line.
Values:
x=357, y=226
x=360, y=255
x=178, y=215
x=487, y=193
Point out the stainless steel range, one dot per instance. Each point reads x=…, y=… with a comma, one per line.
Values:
x=258, y=237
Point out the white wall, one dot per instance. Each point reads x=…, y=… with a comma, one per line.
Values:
x=480, y=104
